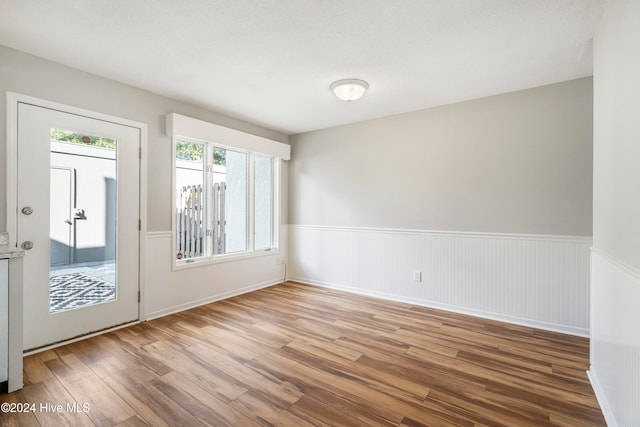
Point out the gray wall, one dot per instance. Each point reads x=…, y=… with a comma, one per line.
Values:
x=37, y=77
x=517, y=163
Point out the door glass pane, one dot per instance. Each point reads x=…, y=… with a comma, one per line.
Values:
x=230, y=201
x=191, y=219
x=82, y=220
x=263, y=203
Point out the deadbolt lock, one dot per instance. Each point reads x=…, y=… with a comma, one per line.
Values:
x=27, y=245
x=27, y=210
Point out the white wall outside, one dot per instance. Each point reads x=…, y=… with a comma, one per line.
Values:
x=95, y=193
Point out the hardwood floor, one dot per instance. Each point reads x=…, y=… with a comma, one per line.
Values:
x=296, y=355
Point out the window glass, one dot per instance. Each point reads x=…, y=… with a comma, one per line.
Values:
x=229, y=201
x=190, y=200
x=217, y=205
x=263, y=202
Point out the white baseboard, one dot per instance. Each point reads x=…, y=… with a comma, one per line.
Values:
x=167, y=291
x=203, y=301
x=581, y=332
x=602, y=399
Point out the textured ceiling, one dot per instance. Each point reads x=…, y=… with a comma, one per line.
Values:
x=271, y=62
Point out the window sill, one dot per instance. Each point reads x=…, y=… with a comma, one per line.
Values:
x=219, y=259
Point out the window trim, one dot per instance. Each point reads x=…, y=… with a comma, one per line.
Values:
x=188, y=127
x=250, y=252
x=207, y=196
x=275, y=198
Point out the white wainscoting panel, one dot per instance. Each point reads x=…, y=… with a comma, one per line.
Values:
x=538, y=281
x=166, y=291
x=615, y=338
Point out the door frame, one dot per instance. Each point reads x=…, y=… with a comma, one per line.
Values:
x=13, y=99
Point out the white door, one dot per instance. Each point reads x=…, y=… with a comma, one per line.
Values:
x=111, y=219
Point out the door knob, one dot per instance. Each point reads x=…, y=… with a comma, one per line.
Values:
x=27, y=210
x=27, y=245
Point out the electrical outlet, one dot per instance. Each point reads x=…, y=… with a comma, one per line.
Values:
x=4, y=238
x=417, y=276
x=279, y=260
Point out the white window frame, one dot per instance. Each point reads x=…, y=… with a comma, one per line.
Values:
x=207, y=197
x=179, y=128
x=275, y=198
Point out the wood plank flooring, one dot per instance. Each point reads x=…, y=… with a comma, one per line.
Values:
x=297, y=355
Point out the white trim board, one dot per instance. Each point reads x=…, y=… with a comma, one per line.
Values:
x=159, y=235
x=602, y=399
x=179, y=125
x=537, y=281
x=173, y=291
x=580, y=332
x=466, y=234
x=628, y=269
x=203, y=301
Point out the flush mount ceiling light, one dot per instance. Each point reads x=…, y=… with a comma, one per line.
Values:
x=349, y=89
